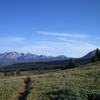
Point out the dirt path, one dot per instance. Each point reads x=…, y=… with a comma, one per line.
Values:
x=23, y=95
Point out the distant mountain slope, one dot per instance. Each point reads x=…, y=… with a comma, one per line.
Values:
x=89, y=55
x=87, y=58
x=8, y=58
x=15, y=57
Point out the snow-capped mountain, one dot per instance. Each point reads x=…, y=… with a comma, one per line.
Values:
x=15, y=57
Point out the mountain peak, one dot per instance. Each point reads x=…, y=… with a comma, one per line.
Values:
x=15, y=57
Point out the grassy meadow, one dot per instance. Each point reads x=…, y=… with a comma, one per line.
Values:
x=69, y=84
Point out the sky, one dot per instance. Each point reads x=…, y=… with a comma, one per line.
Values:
x=50, y=27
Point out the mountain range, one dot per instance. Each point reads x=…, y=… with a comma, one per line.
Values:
x=9, y=58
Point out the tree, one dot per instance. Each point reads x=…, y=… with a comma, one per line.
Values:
x=71, y=63
x=97, y=55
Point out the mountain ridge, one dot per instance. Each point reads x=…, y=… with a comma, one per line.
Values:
x=9, y=58
x=15, y=57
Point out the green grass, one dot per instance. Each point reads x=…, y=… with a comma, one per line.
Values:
x=79, y=81
x=9, y=88
x=82, y=79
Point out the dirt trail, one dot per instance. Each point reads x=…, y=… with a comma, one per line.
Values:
x=23, y=95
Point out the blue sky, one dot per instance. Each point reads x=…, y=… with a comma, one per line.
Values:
x=51, y=27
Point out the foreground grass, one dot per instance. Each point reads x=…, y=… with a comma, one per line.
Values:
x=78, y=81
x=67, y=83
x=9, y=88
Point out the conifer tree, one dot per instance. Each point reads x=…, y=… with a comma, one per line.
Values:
x=71, y=63
x=97, y=55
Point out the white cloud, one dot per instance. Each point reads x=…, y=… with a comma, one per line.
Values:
x=75, y=41
x=69, y=40
x=57, y=48
x=61, y=34
x=64, y=45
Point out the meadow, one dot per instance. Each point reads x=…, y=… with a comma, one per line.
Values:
x=81, y=83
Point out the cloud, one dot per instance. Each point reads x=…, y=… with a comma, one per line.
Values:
x=69, y=40
x=62, y=45
x=56, y=48
x=75, y=41
x=11, y=39
x=61, y=34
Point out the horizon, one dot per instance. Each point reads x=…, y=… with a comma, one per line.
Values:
x=47, y=55
x=64, y=27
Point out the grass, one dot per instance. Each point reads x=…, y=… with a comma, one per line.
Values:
x=9, y=88
x=69, y=83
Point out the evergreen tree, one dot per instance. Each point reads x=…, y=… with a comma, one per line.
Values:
x=71, y=63
x=97, y=55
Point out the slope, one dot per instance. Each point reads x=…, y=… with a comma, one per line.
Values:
x=81, y=83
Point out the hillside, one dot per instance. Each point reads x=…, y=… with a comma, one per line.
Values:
x=72, y=83
x=81, y=83
x=60, y=64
